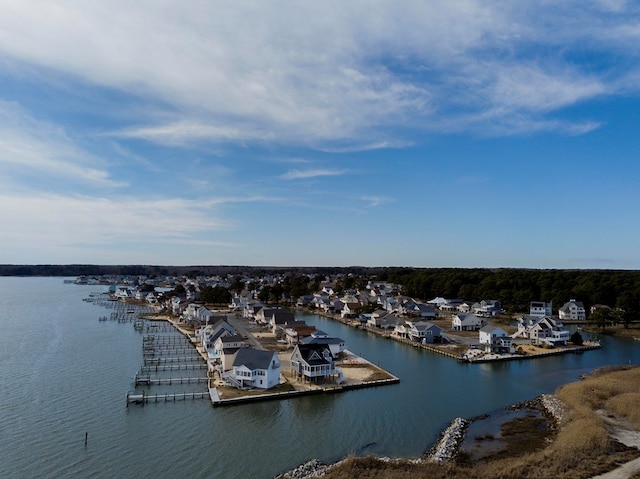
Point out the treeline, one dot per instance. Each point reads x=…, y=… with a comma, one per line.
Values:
x=516, y=288
x=152, y=270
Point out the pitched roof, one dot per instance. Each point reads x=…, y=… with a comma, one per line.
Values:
x=253, y=358
x=280, y=316
x=314, y=354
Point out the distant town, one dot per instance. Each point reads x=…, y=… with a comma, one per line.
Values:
x=247, y=328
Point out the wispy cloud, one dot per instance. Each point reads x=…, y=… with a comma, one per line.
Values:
x=278, y=75
x=306, y=174
x=44, y=221
x=374, y=201
x=32, y=146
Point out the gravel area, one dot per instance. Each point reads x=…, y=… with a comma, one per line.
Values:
x=555, y=408
x=449, y=444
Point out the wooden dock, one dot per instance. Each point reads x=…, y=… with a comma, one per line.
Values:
x=147, y=379
x=135, y=397
x=178, y=359
x=173, y=367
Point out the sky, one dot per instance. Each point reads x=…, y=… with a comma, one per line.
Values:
x=289, y=133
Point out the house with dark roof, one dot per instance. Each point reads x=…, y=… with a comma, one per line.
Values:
x=424, y=332
x=383, y=320
x=313, y=363
x=279, y=319
x=253, y=368
x=335, y=345
x=294, y=333
x=467, y=322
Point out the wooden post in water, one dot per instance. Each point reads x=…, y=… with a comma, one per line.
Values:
x=86, y=438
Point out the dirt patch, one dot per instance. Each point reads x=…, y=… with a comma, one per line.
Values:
x=225, y=392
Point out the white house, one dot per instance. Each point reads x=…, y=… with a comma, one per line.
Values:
x=467, y=322
x=495, y=339
x=542, y=330
x=540, y=309
x=487, y=307
x=253, y=368
x=313, y=363
x=572, y=310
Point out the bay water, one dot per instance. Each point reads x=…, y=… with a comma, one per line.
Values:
x=64, y=377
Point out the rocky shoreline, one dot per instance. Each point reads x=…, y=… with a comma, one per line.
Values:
x=448, y=445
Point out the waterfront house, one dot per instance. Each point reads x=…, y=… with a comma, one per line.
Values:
x=208, y=337
x=152, y=298
x=305, y=300
x=572, y=310
x=495, y=339
x=253, y=368
x=274, y=317
x=335, y=345
x=424, y=332
x=467, y=322
x=467, y=306
x=540, y=309
x=123, y=293
x=487, y=307
x=383, y=320
x=420, y=310
x=313, y=363
x=294, y=333
x=263, y=315
x=402, y=330
x=542, y=330
x=350, y=309
x=450, y=305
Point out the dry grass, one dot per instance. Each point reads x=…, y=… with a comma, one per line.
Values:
x=626, y=405
x=582, y=448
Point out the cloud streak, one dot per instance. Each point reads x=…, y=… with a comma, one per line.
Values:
x=328, y=73
x=32, y=146
x=314, y=173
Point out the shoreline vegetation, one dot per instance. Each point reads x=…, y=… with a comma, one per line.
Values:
x=580, y=432
x=589, y=427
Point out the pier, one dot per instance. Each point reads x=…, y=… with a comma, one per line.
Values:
x=173, y=367
x=147, y=379
x=134, y=397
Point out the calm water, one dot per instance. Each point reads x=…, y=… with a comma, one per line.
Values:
x=63, y=373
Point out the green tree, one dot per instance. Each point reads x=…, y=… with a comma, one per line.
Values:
x=627, y=308
x=264, y=294
x=600, y=318
x=576, y=338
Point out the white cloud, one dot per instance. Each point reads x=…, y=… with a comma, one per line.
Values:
x=28, y=146
x=305, y=174
x=101, y=220
x=328, y=72
x=374, y=201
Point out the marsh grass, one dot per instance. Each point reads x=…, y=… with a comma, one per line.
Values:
x=581, y=448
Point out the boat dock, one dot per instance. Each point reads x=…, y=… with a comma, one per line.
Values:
x=142, y=397
x=148, y=380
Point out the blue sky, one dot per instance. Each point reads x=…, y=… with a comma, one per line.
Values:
x=375, y=133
